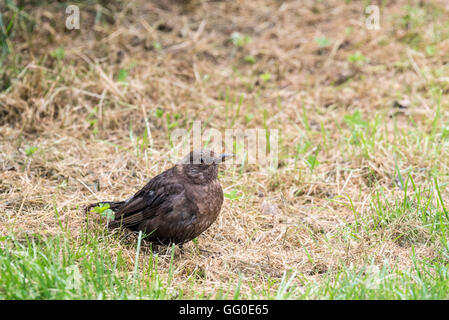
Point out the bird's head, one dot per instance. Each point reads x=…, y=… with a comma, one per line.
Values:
x=201, y=166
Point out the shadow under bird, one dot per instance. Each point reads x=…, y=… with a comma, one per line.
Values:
x=177, y=205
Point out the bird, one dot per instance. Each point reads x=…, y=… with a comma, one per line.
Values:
x=177, y=205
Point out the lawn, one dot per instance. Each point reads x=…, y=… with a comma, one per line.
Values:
x=356, y=208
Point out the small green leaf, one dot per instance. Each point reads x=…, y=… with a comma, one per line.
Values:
x=312, y=161
x=122, y=75
x=249, y=59
x=265, y=76
x=322, y=42
x=249, y=117
x=58, y=53
x=103, y=210
x=29, y=151
x=232, y=195
x=159, y=113
x=172, y=125
x=240, y=40
x=430, y=50
x=356, y=57
x=445, y=133
x=157, y=45
x=355, y=120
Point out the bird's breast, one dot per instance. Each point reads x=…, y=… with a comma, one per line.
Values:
x=209, y=199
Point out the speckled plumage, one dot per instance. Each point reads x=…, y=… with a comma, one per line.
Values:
x=177, y=205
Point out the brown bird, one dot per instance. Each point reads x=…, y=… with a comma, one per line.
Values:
x=177, y=205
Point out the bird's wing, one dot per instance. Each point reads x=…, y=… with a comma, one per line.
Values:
x=156, y=198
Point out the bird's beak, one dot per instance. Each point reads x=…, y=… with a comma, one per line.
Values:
x=225, y=156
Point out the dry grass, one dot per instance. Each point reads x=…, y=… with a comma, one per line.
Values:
x=180, y=60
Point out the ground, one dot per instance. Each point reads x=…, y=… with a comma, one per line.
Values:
x=354, y=210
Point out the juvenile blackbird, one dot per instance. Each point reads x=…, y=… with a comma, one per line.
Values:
x=177, y=205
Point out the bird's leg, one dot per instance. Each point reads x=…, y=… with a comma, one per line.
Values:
x=150, y=246
x=154, y=248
